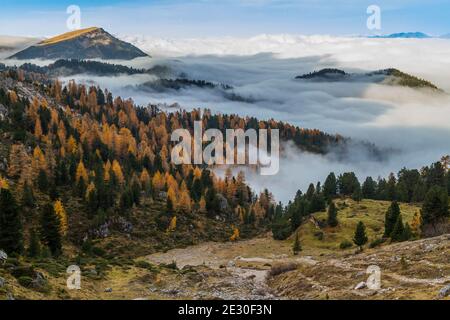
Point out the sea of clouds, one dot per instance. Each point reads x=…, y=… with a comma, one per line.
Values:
x=414, y=123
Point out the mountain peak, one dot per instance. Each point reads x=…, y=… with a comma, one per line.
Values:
x=89, y=43
x=69, y=35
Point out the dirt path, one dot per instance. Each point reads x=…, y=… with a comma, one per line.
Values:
x=239, y=270
x=242, y=267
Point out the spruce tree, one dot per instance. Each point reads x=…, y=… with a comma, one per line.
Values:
x=11, y=237
x=399, y=228
x=330, y=187
x=50, y=235
x=369, y=188
x=435, y=206
x=28, y=196
x=42, y=181
x=360, y=237
x=357, y=193
x=296, y=247
x=391, y=218
x=332, y=215
x=34, y=248
x=407, y=233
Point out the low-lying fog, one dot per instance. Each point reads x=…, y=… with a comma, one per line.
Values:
x=414, y=122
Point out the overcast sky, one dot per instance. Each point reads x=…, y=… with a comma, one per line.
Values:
x=199, y=18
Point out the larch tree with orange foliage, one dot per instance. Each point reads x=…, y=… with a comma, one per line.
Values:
x=118, y=173
x=62, y=215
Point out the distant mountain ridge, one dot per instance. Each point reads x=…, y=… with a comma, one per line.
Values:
x=389, y=76
x=406, y=35
x=90, y=43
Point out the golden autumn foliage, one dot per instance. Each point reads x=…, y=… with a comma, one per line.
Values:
x=3, y=183
x=117, y=169
x=416, y=224
x=172, y=225
x=158, y=181
x=38, y=161
x=89, y=190
x=184, y=199
x=107, y=170
x=145, y=180
x=202, y=205
x=72, y=145
x=62, y=215
x=81, y=172
x=38, y=129
x=235, y=236
x=172, y=196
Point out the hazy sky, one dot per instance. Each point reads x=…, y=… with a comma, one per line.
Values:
x=197, y=18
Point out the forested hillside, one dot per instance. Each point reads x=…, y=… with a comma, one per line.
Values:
x=79, y=163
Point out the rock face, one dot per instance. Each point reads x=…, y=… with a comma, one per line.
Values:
x=3, y=256
x=444, y=292
x=361, y=285
x=91, y=43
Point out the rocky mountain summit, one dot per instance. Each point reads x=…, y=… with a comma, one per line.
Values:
x=90, y=43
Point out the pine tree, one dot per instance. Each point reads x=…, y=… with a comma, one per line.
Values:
x=407, y=233
x=330, y=187
x=435, y=206
x=332, y=215
x=357, y=193
x=34, y=248
x=360, y=237
x=399, y=228
x=296, y=247
x=42, y=181
x=50, y=227
x=391, y=218
x=369, y=188
x=28, y=196
x=11, y=237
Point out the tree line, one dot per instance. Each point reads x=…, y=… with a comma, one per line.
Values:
x=429, y=187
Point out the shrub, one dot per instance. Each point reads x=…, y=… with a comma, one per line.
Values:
x=143, y=264
x=23, y=271
x=345, y=245
x=98, y=251
x=319, y=235
x=25, y=281
x=281, y=268
x=172, y=265
x=377, y=242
